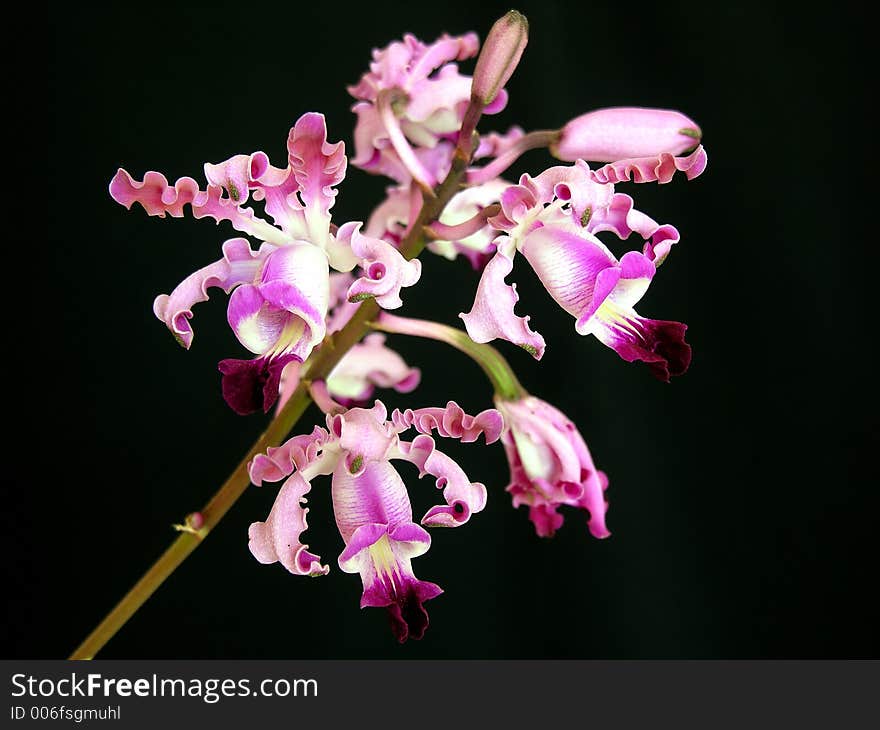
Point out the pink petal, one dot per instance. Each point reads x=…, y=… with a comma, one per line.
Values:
x=660, y=169
x=492, y=315
x=462, y=496
x=386, y=271
x=239, y=264
x=278, y=538
x=451, y=422
x=297, y=453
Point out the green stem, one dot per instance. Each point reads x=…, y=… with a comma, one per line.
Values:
x=318, y=366
x=497, y=369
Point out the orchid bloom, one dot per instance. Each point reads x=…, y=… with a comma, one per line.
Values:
x=550, y=466
x=370, y=500
x=280, y=292
x=414, y=95
x=553, y=220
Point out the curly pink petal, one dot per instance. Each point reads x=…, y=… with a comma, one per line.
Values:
x=386, y=271
x=295, y=454
x=462, y=496
x=278, y=538
x=239, y=264
x=451, y=422
x=653, y=169
x=492, y=315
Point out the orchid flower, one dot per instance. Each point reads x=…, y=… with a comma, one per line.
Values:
x=410, y=108
x=280, y=292
x=370, y=501
x=553, y=220
x=550, y=466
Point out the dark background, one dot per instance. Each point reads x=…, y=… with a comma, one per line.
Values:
x=743, y=498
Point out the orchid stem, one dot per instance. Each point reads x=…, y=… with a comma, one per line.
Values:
x=492, y=362
x=320, y=365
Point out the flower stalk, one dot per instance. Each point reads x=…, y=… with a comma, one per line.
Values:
x=492, y=362
x=318, y=367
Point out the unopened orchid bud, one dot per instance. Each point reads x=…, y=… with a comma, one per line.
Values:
x=620, y=133
x=500, y=56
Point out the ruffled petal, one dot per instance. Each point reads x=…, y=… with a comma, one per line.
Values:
x=296, y=454
x=462, y=496
x=451, y=422
x=278, y=538
x=365, y=434
x=622, y=219
x=159, y=198
x=317, y=167
x=239, y=264
x=660, y=169
x=492, y=315
x=386, y=271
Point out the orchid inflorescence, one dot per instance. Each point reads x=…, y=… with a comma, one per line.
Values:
x=301, y=281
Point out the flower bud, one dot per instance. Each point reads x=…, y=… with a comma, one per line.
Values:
x=500, y=56
x=620, y=133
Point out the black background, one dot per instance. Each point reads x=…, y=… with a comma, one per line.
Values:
x=743, y=503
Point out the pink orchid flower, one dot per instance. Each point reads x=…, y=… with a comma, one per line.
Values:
x=370, y=501
x=553, y=220
x=550, y=466
x=280, y=292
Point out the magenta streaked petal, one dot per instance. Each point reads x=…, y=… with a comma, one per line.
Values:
x=606, y=135
x=295, y=454
x=251, y=385
x=462, y=496
x=658, y=343
x=386, y=271
x=568, y=265
x=382, y=556
x=318, y=166
x=297, y=278
x=661, y=168
x=375, y=494
x=278, y=538
x=451, y=422
x=239, y=264
x=492, y=315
